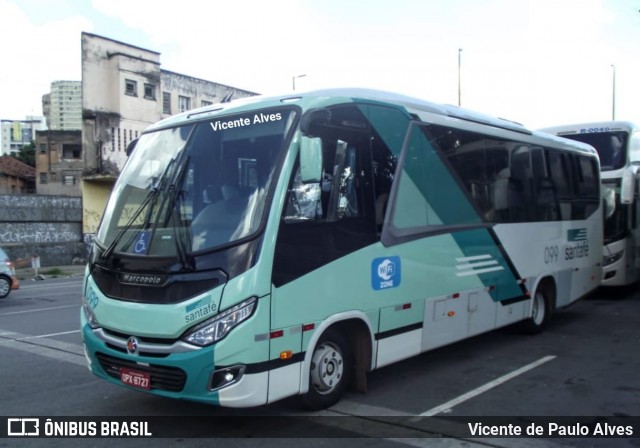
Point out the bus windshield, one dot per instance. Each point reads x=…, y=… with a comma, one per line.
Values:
x=611, y=147
x=195, y=187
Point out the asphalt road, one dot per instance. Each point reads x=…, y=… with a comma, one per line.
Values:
x=585, y=364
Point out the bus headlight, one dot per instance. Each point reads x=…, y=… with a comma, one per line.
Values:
x=214, y=329
x=90, y=316
x=610, y=259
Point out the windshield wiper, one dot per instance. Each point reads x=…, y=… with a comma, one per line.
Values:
x=174, y=213
x=150, y=199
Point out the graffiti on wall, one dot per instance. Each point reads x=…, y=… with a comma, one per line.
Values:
x=30, y=233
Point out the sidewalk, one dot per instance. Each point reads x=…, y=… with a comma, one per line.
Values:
x=74, y=270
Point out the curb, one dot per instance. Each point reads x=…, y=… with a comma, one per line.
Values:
x=50, y=272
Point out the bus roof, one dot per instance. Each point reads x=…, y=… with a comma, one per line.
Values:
x=326, y=97
x=591, y=127
x=349, y=94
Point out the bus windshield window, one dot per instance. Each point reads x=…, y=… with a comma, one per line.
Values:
x=611, y=147
x=195, y=187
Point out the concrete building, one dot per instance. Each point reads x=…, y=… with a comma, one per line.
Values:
x=14, y=134
x=59, y=163
x=124, y=90
x=63, y=106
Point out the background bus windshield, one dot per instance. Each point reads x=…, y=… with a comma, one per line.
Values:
x=611, y=147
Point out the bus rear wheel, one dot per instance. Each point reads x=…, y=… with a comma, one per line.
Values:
x=540, y=311
x=329, y=371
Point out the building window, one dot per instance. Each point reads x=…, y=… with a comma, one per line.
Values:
x=130, y=87
x=206, y=103
x=166, y=103
x=43, y=148
x=43, y=178
x=69, y=180
x=71, y=151
x=150, y=92
x=184, y=103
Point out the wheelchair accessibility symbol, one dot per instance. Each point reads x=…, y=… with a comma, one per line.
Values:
x=141, y=243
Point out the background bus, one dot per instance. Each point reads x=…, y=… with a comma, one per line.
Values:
x=618, y=146
x=279, y=246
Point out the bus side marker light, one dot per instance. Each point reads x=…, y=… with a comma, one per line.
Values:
x=276, y=334
x=404, y=306
x=287, y=354
x=451, y=313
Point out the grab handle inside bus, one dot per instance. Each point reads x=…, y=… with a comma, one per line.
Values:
x=310, y=159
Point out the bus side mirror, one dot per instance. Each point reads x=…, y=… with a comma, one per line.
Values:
x=627, y=188
x=310, y=159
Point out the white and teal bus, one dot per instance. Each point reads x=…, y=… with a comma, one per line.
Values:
x=618, y=146
x=270, y=247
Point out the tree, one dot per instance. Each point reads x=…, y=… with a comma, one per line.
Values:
x=27, y=154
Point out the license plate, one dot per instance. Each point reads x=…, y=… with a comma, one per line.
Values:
x=135, y=378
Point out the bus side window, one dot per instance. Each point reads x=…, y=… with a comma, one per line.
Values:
x=544, y=193
x=561, y=175
x=332, y=199
x=303, y=201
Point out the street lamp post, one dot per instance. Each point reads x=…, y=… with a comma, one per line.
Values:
x=459, y=87
x=613, y=94
x=294, y=80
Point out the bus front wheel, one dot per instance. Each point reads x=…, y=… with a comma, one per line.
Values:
x=329, y=372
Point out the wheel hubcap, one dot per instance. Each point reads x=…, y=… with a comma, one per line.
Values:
x=5, y=286
x=327, y=367
x=538, y=308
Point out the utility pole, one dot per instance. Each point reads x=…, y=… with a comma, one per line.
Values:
x=613, y=96
x=459, y=81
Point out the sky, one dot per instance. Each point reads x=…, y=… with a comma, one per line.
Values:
x=537, y=62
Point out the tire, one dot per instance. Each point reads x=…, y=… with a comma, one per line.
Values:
x=5, y=286
x=329, y=372
x=540, y=311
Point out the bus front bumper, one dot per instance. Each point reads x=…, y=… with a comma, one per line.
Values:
x=191, y=375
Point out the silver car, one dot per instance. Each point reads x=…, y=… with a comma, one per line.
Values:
x=8, y=280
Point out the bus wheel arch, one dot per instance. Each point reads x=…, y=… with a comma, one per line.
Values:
x=543, y=304
x=340, y=358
